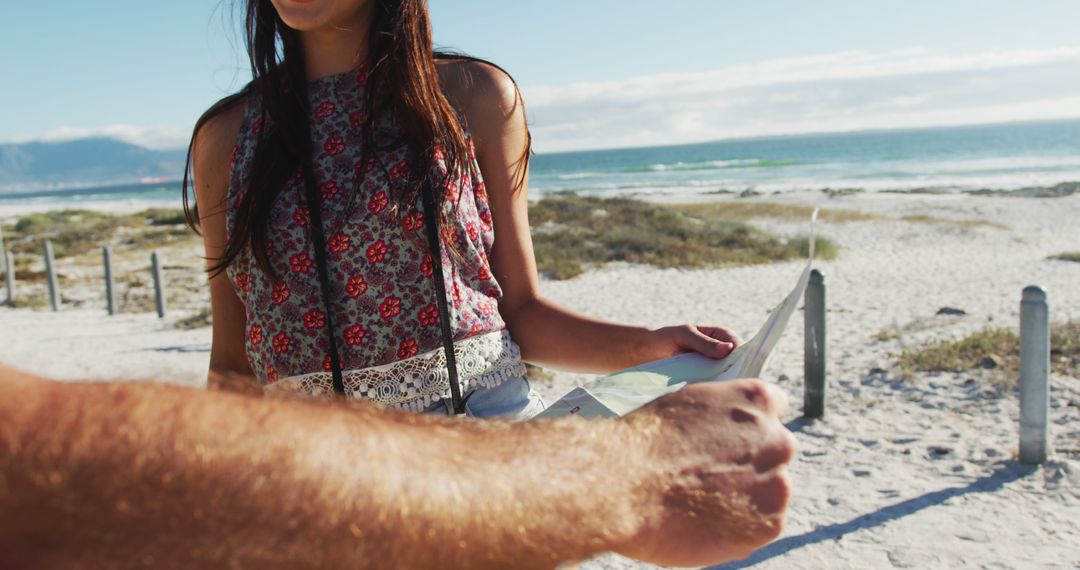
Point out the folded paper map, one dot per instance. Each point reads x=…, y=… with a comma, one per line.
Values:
x=627, y=390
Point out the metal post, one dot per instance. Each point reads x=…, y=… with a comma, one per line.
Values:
x=4, y=265
x=110, y=286
x=814, y=347
x=1034, y=375
x=50, y=274
x=159, y=284
x=9, y=277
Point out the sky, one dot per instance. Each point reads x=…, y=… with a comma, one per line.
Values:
x=594, y=73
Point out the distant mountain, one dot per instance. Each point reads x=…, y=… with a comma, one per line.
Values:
x=85, y=162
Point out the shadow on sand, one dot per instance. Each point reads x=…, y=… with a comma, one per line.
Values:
x=1007, y=472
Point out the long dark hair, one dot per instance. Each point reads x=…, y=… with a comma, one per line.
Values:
x=402, y=81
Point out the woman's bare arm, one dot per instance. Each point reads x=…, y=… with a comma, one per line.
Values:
x=211, y=158
x=548, y=333
x=126, y=475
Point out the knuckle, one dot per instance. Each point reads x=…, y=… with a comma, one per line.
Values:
x=756, y=393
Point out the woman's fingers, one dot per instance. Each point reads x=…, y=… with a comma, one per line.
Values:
x=721, y=333
x=718, y=344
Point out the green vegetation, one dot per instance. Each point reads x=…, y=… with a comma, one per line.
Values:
x=571, y=232
x=994, y=348
x=1067, y=256
x=74, y=232
x=199, y=320
x=961, y=224
x=742, y=211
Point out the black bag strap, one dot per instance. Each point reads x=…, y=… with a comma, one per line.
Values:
x=318, y=239
x=431, y=224
x=434, y=244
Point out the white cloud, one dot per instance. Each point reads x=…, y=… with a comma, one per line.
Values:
x=851, y=90
x=156, y=136
x=829, y=92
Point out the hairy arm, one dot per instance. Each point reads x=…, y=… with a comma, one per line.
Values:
x=125, y=475
x=548, y=333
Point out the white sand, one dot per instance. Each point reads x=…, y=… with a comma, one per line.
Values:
x=909, y=473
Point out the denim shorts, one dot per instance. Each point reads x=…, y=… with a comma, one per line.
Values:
x=512, y=400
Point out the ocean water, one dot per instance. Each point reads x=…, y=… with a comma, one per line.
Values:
x=1003, y=157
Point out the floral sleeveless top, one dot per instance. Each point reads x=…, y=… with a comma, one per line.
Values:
x=382, y=289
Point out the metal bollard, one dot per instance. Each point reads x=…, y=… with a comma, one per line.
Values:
x=4, y=265
x=814, y=347
x=9, y=277
x=50, y=274
x=159, y=285
x=1034, y=375
x=110, y=286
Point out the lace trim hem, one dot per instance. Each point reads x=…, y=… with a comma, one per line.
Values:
x=417, y=382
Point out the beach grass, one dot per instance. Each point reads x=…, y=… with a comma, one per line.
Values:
x=1067, y=256
x=960, y=224
x=200, y=319
x=742, y=211
x=997, y=348
x=75, y=232
x=572, y=233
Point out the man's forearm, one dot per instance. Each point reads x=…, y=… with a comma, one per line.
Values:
x=133, y=474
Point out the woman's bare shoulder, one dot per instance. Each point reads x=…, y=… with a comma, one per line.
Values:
x=483, y=93
x=213, y=143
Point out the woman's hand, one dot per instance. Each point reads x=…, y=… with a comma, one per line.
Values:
x=713, y=342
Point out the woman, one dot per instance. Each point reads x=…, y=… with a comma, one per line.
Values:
x=351, y=111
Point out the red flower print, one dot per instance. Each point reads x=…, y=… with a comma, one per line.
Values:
x=324, y=110
x=271, y=374
x=281, y=343
x=301, y=262
x=334, y=145
x=472, y=230
x=488, y=309
x=257, y=126
x=314, y=319
x=280, y=293
x=426, y=267
x=301, y=216
x=326, y=364
x=408, y=348
x=428, y=315
x=339, y=243
x=484, y=274
x=364, y=168
x=399, y=171
x=480, y=191
x=355, y=286
x=413, y=221
x=485, y=218
x=377, y=252
x=439, y=155
x=354, y=335
x=378, y=202
x=355, y=119
x=329, y=189
x=255, y=334
x=451, y=190
x=243, y=281
x=390, y=307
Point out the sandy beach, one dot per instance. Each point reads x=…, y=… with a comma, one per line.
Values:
x=910, y=470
